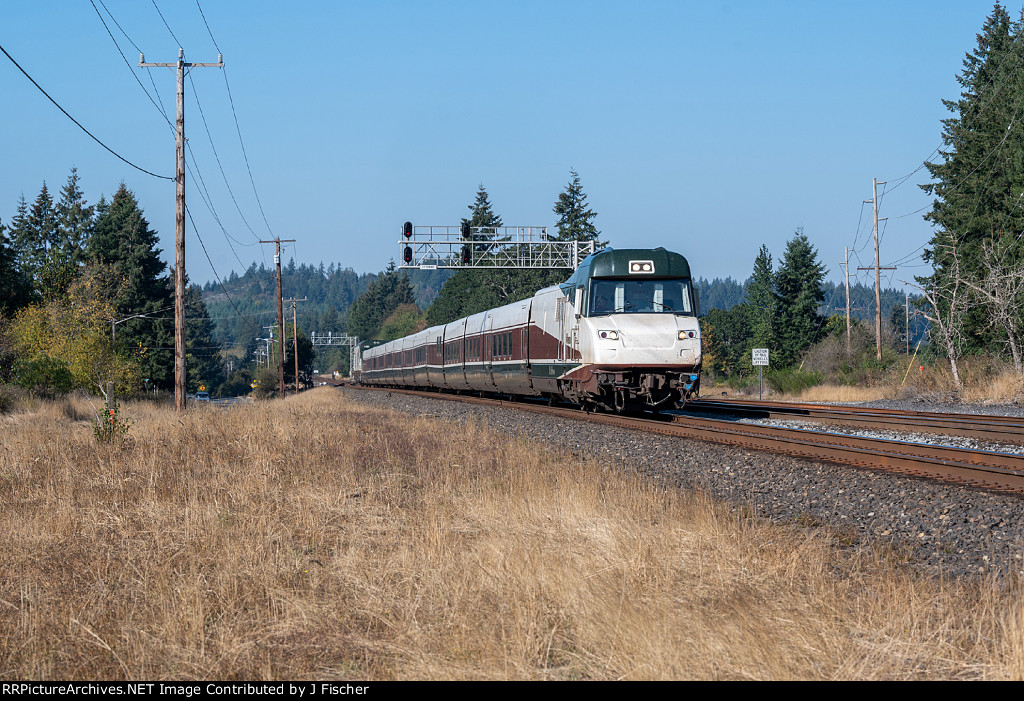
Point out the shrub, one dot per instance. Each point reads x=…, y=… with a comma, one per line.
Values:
x=44, y=374
x=792, y=381
x=266, y=381
x=237, y=385
x=109, y=427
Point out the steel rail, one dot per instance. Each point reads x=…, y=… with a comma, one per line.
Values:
x=1002, y=429
x=1002, y=472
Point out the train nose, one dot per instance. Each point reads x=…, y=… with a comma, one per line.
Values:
x=646, y=333
x=648, y=340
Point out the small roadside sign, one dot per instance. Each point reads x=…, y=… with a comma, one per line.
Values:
x=760, y=356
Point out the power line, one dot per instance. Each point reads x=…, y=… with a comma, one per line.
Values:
x=93, y=137
x=241, y=142
x=975, y=117
x=202, y=115
x=160, y=108
x=165, y=23
x=212, y=267
x=203, y=15
x=245, y=155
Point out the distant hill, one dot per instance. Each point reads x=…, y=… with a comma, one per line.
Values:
x=330, y=291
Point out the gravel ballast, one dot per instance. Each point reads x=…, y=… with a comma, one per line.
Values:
x=954, y=530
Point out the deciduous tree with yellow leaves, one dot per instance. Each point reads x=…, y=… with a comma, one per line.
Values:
x=69, y=339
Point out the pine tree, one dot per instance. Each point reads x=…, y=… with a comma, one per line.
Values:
x=123, y=245
x=978, y=182
x=575, y=216
x=483, y=214
x=15, y=291
x=471, y=291
x=203, y=364
x=761, y=303
x=798, y=295
x=34, y=233
x=74, y=219
x=21, y=238
x=382, y=297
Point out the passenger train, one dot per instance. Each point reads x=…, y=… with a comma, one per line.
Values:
x=620, y=334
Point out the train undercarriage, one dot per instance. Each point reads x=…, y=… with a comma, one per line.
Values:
x=634, y=389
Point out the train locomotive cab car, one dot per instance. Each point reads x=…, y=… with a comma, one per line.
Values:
x=634, y=329
x=620, y=334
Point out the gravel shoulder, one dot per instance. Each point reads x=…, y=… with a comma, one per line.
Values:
x=936, y=528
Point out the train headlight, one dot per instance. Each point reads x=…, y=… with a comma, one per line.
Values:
x=608, y=335
x=683, y=335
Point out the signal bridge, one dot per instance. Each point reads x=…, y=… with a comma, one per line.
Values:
x=332, y=339
x=487, y=247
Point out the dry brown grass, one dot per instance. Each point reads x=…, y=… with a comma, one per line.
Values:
x=843, y=393
x=320, y=538
x=986, y=380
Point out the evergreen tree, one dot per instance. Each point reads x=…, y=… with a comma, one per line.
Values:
x=382, y=297
x=305, y=356
x=761, y=303
x=978, y=182
x=15, y=291
x=798, y=295
x=726, y=339
x=124, y=245
x=203, y=365
x=34, y=233
x=74, y=219
x=472, y=291
x=483, y=214
x=574, y=215
x=21, y=238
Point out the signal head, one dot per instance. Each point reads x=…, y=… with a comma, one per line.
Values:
x=407, y=230
x=407, y=255
x=466, y=232
x=465, y=254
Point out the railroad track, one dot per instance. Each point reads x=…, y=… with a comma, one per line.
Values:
x=1003, y=472
x=996, y=429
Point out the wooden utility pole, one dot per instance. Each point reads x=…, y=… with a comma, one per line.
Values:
x=877, y=269
x=179, y=222
x=295, y=339
x=907, y=322
x=846, y=267
x=280, y=310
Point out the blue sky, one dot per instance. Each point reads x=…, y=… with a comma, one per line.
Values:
x=707, y=128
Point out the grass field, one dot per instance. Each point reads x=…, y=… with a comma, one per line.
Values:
x=317, y=538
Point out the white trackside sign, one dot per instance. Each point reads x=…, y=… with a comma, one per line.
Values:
x=760, y=356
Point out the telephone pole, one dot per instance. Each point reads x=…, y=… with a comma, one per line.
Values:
x=846, y=267
x=906, y=296
x=877, y=269
x=280, y=310
x=295, y=339
x=179, y=222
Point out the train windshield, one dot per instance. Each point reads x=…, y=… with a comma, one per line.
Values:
x=640, y=297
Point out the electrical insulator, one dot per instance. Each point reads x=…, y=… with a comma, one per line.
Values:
x=407, y=256
x=407, y=230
